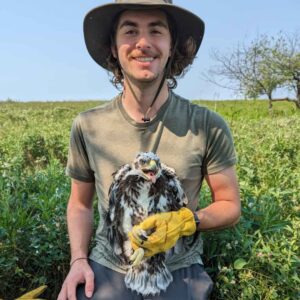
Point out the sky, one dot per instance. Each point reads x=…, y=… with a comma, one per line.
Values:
x=43, y=56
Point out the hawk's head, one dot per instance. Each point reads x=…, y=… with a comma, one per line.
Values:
x=148, y=165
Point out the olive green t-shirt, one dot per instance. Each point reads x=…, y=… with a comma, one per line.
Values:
x=191, y=139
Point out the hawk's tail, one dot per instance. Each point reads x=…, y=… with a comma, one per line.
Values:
x=149, y=278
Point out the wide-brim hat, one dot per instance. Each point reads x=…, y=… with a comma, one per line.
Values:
x=99, y=21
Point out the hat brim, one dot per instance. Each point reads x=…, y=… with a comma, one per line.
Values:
x=98, y=24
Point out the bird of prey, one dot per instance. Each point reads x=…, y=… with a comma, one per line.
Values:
x=139, y=190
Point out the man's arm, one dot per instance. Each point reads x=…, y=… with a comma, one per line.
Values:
x=225, y=210
x=80, y=226
x=80, y=217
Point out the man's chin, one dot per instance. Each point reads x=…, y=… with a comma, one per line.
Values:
x=145, y=79
x=148, y=78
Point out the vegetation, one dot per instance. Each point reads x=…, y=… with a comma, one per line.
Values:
x=258, y=259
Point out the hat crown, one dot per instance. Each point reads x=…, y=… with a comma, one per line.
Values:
x=144, y=1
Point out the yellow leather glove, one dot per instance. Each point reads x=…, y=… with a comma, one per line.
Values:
x=165, y=229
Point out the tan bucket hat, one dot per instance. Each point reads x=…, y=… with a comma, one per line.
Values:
x=98, y=24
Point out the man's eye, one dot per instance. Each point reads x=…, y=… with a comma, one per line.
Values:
x=130, y=32
x=156, y=32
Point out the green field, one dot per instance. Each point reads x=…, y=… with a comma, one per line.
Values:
x=258, y=259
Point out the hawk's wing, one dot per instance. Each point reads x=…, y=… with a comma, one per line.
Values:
x=115, y=212
x=174, y=192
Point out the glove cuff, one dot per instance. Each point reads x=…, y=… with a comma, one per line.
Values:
x=188, y=219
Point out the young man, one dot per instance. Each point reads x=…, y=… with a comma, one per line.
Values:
x=145, y=44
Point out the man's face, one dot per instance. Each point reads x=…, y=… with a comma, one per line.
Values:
x=143, y=43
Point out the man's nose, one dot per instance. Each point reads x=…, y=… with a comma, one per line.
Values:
x=143, y=42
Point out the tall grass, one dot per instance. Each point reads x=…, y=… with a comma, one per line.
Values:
x=258, y=259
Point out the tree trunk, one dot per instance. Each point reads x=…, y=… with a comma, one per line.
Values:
x=270, y=102
x=298, y=95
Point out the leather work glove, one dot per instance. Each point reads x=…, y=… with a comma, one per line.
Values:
x=160, y=232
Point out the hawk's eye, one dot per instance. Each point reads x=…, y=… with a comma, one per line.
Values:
x=142, y=161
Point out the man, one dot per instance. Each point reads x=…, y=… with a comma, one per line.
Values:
x=145, y=44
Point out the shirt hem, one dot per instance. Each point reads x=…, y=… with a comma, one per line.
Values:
x=228, y=163
x=78, y=177
x=188, y=261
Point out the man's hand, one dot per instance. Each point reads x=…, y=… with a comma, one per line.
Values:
x=164, y=228
x=80, y=272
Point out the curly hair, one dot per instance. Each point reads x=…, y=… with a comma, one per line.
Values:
x=183, y=56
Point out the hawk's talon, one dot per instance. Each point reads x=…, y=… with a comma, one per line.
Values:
x=137, y=256
x=140, y=235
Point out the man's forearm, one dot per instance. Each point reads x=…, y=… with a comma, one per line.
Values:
x=80, y=227
x=225, y=209
x=218, y=215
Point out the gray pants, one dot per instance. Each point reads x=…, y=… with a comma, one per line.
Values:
x=191, y=283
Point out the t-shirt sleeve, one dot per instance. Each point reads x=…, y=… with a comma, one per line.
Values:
x=220, y=152
x=78, y=165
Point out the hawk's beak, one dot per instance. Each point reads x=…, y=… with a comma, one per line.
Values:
x=152, y=165
x=150, y=170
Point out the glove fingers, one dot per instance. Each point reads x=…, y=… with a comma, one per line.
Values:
x=158, y=237
x=165, y=236
x=149, y=223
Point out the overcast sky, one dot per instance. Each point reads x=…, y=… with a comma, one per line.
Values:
x=43, y=55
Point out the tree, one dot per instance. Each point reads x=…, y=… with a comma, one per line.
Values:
x=286, y=63
x=262, y=67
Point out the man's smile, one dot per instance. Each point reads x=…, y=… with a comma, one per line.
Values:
x=144, y=59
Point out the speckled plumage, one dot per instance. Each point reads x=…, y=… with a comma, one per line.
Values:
x=139, y=190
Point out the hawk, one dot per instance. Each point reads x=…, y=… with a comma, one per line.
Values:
x=139, y=190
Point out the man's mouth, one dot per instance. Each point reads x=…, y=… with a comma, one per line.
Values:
x=144, y=59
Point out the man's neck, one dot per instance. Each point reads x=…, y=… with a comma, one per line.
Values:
x=137, y=99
